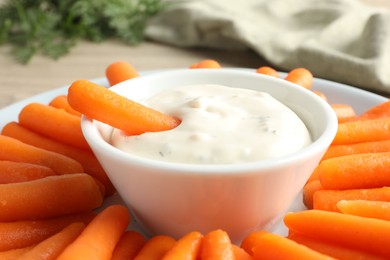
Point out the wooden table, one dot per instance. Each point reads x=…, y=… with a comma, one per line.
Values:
x=89, y=60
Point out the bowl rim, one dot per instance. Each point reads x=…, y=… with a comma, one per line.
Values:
x=93, y=136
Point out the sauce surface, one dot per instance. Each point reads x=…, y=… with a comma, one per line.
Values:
x=220, y=125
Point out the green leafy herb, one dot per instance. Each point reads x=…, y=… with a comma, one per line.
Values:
x=52, y=27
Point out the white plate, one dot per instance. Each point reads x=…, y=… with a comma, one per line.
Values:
x=360, y=100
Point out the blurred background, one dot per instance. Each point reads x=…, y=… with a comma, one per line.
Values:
x=88, y=60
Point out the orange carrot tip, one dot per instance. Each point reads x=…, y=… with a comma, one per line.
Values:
x=206, y=64
x=102, y=104
x=187, y=247
x=268, y=71
x=120, y=71
x=217, y=245
x=300, y=76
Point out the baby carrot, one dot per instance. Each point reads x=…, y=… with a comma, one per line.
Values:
x=61, y=102
x=12, y=172
x=100, y=236
x=300, y=76
x=120, y=71
x=344, y=112
x=379, y=111
x=365, y=208
x=87, y=159
x=187, y=247
x=12, y=149
x=308, y=192
x=54, y=123
x=14, y=254
x=332, y=249
x=358, y=148
x=206, y=64
x=51, y=248
x=102, y=104
x=128, y=245
x=49, y=197
x=25, y=233
x=366, y=234
x=216, y=245
x=155, y=248
x=356, y=171
x=328, y=199
x=240, y=254
x=250, y=241
x=266, y=70
x=277, y=247
x=363, y=131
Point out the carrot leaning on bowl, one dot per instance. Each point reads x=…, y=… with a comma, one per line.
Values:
x=128, y=245
x=277, y=247
x=49, y=197
x=12, y=149
x=86, y=158
x=100, y=236
x=332, y=249
x=51, y=248
x=206, y=64
x=156, y=247
x=13, y=172
x=216, y=244
x=363, y=131
x=300, y=76
x=356, y=171
x=54, y=123
x=366, y=234
x=104, y=105
x=61, y=102
x=120, y=71
x=365, y=208
x=327, y=199
x=187, y=247
x=266, y=70
x=24, y=233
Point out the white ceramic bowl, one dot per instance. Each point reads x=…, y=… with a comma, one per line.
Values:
x=171, y=198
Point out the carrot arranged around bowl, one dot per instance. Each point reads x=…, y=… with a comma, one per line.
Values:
x=300, y=76
x=120, y=71
x=102, y=104
x=366, y=234
x=49, y=197
x=206, y=64
x=266, y=70
x=85, y=157
x=100, y=236
x=57, y=243
x=365, y=208
x=25, y=233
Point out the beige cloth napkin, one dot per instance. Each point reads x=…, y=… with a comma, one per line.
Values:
x=340, y=40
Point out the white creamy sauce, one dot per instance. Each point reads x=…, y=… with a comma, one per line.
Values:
x=220, y=125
